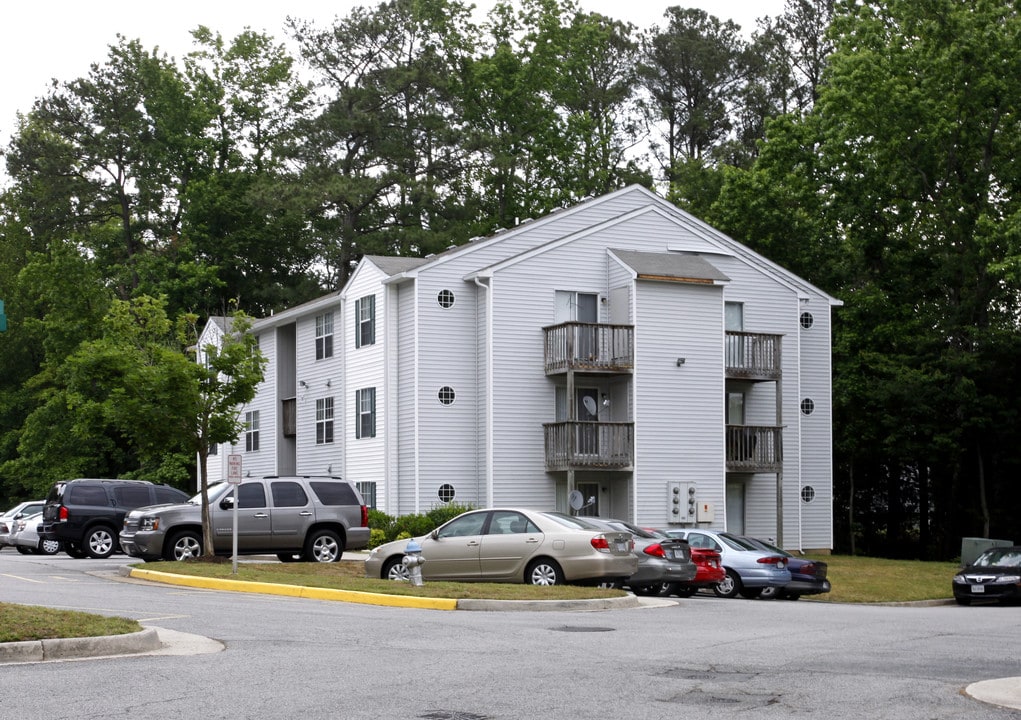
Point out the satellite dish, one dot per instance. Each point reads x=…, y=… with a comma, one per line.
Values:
x=576, y=500
x=590, y=404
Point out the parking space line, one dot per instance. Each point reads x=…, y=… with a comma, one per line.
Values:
x=18, y=577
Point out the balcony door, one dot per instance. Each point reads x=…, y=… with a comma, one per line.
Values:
x=586, y=410
x=584, y=308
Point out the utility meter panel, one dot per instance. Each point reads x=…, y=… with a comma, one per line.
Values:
x=706, y=512
x=681, y=505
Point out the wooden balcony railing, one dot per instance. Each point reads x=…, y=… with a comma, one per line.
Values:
x=589, y=445
x=592, y=347
x=754, y=448
x=752, y=356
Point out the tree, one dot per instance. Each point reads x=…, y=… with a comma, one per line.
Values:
x=379, y=151
x=227, y=372
x=689, y=71
x=920, y=127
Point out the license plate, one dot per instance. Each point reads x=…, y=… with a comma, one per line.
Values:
x=978, y=588
x=622, y=547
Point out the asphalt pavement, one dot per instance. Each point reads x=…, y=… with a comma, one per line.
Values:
x=1001, y=692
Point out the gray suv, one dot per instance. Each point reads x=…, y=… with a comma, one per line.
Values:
x=296, y=518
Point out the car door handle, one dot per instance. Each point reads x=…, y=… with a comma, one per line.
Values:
x=260, y=516
x=531, y=540
x=473, y=543
x=305, y=513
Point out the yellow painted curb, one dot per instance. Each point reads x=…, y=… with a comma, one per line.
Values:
x=296, y=591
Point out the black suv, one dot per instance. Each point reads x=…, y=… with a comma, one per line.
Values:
x=86, y=514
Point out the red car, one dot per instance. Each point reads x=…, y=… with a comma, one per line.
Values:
x=708, y=572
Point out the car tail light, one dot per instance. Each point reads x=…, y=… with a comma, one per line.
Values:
x=600, y=543
x=773, y=560
x=365, y=516
x=808, y=569
x=62, y=515
x=656, y=550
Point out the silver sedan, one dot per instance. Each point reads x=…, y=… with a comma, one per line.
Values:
x=512, y=545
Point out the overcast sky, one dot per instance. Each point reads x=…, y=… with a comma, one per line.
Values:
x=45, y=39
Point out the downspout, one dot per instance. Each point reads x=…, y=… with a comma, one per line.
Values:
x=488, y=389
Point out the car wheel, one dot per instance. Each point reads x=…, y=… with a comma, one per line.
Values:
x=323, y=546
x=74, y=551
x=750, y=593
x=729, y=586
x=682, y=590
x=544, y=572
x=771, y=593
x=49, y=547
x=647, y=590
x=963, y=600
x=100, y=542
x=288, y=557
x=183, y=545
x=394, y=569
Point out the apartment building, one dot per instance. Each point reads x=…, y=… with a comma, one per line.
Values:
x=619, y=358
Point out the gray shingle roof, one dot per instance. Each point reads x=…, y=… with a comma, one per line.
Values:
x=671, y=266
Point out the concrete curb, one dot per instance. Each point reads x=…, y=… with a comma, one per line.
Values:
x=146, y=640
x=1002, y=692
x=365, y=598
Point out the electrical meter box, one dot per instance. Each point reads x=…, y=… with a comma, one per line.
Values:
x=681, y=506
x=706, y=512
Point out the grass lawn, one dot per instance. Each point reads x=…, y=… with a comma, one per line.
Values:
x=854, y=580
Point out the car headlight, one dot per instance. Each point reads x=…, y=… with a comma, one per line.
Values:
x=149, y=523
x=1015, y=579
x=959, y=579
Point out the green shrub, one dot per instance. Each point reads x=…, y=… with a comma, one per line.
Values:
x=389, y=528
x=376, y=537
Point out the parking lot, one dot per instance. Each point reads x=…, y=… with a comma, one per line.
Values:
x=703, y=657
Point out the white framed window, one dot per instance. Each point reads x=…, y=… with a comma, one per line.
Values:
x=446, y=395
x=365, y=321
x=324, y=421
x=365, y=413
x=324, y=336
x=807, y=406
x=806, y=320
x=252, y=431
x=368, y=493
x=445, y=298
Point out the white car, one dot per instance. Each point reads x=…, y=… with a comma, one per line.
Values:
x=513, y=545
x=26, y=537
x=16, y=513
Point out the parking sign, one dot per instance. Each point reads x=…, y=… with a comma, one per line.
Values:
x=234, y=469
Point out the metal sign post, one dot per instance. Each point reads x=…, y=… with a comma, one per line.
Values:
x=234, y=478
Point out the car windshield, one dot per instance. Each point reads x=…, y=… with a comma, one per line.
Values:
x=737, y=543
x=763, y=545
x=1000, y=557
x=570, y=521
x=635, y=530
x=215, y=491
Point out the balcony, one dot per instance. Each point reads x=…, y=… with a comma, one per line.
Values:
x=579, y=445
x=752, y=356
x=589, y=347
x=754, y=448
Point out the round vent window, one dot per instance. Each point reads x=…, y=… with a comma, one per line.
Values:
x=445, y=298
x=807, y=406
x=807, y=320
x=807, y=494
x=446, y=395
x=446, y=492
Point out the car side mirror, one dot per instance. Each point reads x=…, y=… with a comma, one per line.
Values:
x=227, y=503
x=435, y=534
